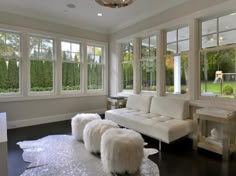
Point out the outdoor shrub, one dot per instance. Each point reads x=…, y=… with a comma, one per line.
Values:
x=183, y=91
x=171, y=89
x=153, y=88
x=228, y=90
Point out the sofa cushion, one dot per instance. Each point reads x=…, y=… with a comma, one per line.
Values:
x=170, y=107
x=160, y=127
x=139, y=102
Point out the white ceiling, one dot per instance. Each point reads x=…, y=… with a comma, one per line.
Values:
x=85, y=14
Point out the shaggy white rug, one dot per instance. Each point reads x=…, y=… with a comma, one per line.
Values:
x=62, y=155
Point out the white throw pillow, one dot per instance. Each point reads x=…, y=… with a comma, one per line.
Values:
x=139, y=102
x=170, y=107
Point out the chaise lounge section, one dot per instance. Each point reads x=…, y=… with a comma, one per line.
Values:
x=165, y=119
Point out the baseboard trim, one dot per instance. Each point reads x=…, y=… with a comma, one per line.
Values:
x=47, y=119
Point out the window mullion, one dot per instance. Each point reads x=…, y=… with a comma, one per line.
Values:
x=84, y=69
x=58, y=67
x=194, y=60
x=217, y=38
x=25, y=65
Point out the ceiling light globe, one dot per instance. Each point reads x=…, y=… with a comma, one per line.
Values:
x=115, y=3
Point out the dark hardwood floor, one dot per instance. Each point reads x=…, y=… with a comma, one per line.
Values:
x=176, y=159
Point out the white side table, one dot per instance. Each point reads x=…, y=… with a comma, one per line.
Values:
x=3, y=145
x=224, y=146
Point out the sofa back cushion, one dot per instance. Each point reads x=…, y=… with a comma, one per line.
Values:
x=175, y=108
x=139, y=102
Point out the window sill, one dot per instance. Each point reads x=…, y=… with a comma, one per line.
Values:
x=45, y=97
x=150, y=93
x=125, y=93
x=181, y=96
x=214, y=103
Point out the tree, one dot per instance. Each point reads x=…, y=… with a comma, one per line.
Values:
x=70, y=74
x=49, y=54
x=13, y=74
x=76, y=72
x=3, y=74
x=64, y=69
x=47, y=74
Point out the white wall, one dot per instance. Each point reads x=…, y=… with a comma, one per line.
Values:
x=25, y=111
x=30, y=112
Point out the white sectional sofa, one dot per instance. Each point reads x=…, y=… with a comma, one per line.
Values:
x=162, y=118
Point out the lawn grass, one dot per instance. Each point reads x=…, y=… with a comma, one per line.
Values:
x=217, y=88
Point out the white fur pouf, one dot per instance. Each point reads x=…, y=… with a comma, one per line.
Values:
x=93, y=132
x=78, y=123
x=121, y=151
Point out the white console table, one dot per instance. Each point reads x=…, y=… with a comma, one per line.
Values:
x=224, y=117
x=3, y=145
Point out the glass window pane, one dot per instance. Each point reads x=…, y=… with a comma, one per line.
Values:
x=95, y=76
x=75, y=47
x=153, y=41
x=97, y=59
x=98, y=51
x=171, y=36
x=131, y=49
x=226, y=38
x=183, y=46
x=145, y=49
x=41, y=48
x=41, y=75
x=171, y=48
x=65, y=55
x=127, y=76
x=75, y=57
x=47, y=43
x=148, y=75
x=209, y=27
x=70, y=76
x=70, y=51
x=127, y=52
x=9, y=62
x=209, y=41
x=65, y=46
x=227, y=22
x=177, y=74
x=95, y=67
x=218, y=73
x=9, y=45
x=94, y=54
x=9, y=75
x=153, y=47
x=90, y=50
x=183, y=33
x=2, y=37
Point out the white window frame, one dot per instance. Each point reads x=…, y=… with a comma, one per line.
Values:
x=53, y=60
x=215, y=48
x=24, y=80
x=217, y=32
x=176, y=54
x=147, y=60
x=104, y=69
x=80, y=63
x=126, y=62
x=19, y=93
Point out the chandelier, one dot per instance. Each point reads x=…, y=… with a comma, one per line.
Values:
x=115, y=3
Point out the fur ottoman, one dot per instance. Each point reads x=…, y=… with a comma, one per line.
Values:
x=78, y=123
x=121, y=151
x=93, y=132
